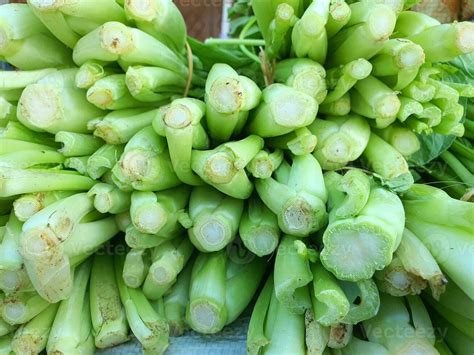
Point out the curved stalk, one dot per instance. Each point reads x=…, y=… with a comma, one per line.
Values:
x=215, y=218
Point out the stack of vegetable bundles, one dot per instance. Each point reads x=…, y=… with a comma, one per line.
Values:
x=151, y=183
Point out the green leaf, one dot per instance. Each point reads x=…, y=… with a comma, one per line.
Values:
x=431, y=146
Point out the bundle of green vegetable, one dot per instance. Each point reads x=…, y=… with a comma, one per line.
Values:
x=151, y=184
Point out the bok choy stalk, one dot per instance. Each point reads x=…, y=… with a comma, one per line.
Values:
x=161, y=19
x=309, y=37
x=373, y=99
x=90, y=72
x=401, y=138
x=167, y=261
x=416, y=262
x=258, y=228
x=458, y=342
x=455, y=301
x=69, y=20
x=397, y=281
x=339, y=16
x=54, y=237
x=135, y=267
x=304, y=75
x=24, y=181
x=340, y=140
x=364, y=300
x=5, y=328
x=410, y=23
x=299, y=142
x=103, y=160
x=8, y=113
x=5, y=344
x=339, y=335
x=342, y=78
x=215, y=218
x=224, y=166
x=370, y=25
x=50, y=105
x=340, y=107
x=31, y=338
x=145, y=164
x=265, y=11
x=120, y=126
x=277, y=44
x=151, y=84
x=149, y=327
x=109, y=198
x=388, y=163
x=109, y=323
x=10, y=258
x=273, y=329
x=264, y=163
x=397, y=63
x=20, y=308
x=292, y=274
x=180, y=123
x=138, y=240
x=111, y=93
x=77, y=144
x=330, y=304
x=114, y=41
x=282, y=110
x=419, y=91
x=454, y=39
x=317, y=336
x=443, y=225
x=15, y=131
x=359, y=346
x=229, y=98
x=26, y=43
x=160, y=213
x=10, y=80
x=365, y=226
x=176, y=300
x=49, y=268
x=401, y=328
x=12, y=281
x=72, y=329
x=460, y=322
x=221, y=288
x=297, y=197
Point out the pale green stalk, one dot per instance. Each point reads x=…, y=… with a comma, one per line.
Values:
x=388, y=163
x=77, y=144
x=109, y=323
x=72, y=329
x=282, y=110
x=26, y=43
x=167, y=261
x=364, y=220
x=229, y=98
x=145, y=164
x=224, y=166
x=51, y=104
x=258, y=228
x=180, y=123
x=299, y=202
x=304, y=75
x=340, y=140
x=215, y=218
x=109, y=199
